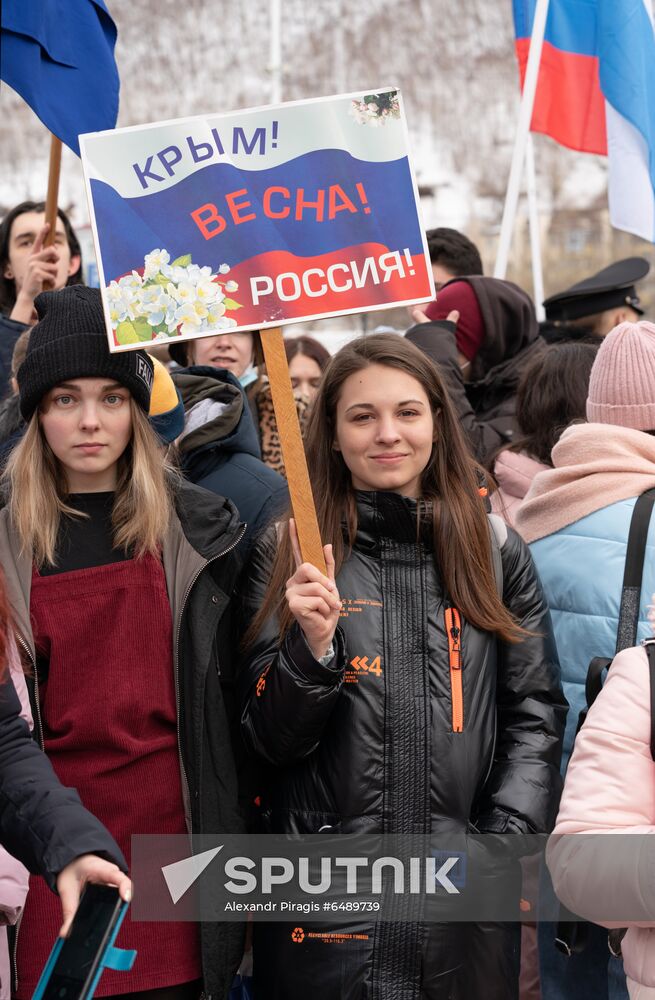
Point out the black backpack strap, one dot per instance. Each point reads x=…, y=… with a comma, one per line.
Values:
x=626, y=633
x=594, y=681
x=593, y=685
x=634, y=570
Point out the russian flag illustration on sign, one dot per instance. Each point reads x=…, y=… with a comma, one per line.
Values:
x=255, y=219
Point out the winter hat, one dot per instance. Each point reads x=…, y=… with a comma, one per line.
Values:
x=470, y=326
x=70, y=341
x=622, y=382
x=166, y=407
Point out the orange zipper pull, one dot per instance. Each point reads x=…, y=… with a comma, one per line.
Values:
x=454, y=632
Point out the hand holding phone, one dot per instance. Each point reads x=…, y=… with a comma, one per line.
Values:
x=87, y=868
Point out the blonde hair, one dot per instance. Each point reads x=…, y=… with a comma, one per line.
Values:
x=38, y=492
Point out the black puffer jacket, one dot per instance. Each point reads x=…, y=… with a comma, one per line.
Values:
x=375, y=750
x=486, y=404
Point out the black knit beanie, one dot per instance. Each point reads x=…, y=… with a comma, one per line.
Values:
x=70, y=341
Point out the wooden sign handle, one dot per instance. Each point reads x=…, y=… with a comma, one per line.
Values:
x=53, y=188
x=293, y=451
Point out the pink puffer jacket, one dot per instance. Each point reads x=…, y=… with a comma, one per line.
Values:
x=514, y=472
x=14, y=877
x=610, y=788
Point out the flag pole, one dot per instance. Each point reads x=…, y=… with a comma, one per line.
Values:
x=522, y=131
x=535, y=230
x=53, y=189
x=293, y=451
x=275, y=50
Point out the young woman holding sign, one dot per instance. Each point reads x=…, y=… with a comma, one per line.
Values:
x=119, y=574
x=400, y=693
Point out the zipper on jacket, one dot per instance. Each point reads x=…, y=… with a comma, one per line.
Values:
x=37, y=706
x=14, y=952
x=454, y=632
x=176, y=659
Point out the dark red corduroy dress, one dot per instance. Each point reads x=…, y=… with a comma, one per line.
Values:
x=109, y=719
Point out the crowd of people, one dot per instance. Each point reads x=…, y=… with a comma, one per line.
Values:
x=169, y=655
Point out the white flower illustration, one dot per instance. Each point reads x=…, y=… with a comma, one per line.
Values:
x=154, y=261
x=170, y=298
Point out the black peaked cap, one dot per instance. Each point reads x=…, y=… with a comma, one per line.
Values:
x=612, y=287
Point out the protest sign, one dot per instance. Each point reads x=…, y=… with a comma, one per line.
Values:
x=255, y=219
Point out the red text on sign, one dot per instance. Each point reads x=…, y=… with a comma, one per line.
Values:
x=278, y=202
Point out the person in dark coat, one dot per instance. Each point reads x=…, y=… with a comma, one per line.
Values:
x=27, y=267
x=399, y=693
x=219, y=450
x=483, y=354
x=243, y=355
x=43, y=824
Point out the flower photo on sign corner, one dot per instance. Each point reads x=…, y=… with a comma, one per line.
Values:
x=376, y=109
x=165, y=300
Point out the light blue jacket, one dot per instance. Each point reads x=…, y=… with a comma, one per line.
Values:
x=581, y=568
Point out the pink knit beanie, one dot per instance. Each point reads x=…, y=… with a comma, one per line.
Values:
x=622, y=383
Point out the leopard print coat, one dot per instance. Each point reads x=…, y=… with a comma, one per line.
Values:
x=261, y=401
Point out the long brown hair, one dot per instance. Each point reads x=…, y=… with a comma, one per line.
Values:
x=450, y=491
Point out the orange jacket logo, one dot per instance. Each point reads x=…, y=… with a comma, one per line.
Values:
x=261, y=683
x=297, y=935
x=359, y=666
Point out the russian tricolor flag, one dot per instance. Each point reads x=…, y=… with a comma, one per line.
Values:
x=596, y=93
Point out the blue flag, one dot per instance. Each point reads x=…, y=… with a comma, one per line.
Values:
x=59, y=56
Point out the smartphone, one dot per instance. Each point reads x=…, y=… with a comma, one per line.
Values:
x=76, y=961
